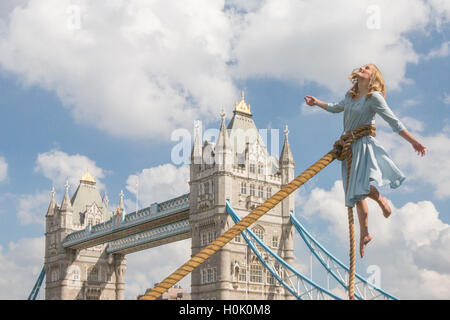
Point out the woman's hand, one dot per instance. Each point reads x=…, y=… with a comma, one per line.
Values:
x=419, y=148
x=311, y=101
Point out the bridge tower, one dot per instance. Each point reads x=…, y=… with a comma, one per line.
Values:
x=80, y=274
x=238, y=168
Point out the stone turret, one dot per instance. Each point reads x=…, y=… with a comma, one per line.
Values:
x=250, y=177
x=80, y=274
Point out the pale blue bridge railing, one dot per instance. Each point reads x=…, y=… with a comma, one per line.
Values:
x=364, y=290
x=149, y=236
x=34, y=292
x=154, y=212
x=293, y=281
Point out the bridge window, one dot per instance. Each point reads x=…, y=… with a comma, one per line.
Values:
x=237, y=238
x=208, y=275
x=275, y=241
x=204, y=240
x=243, y=274
x=259, y=232
x=268, y=193
x=260, y=169
x=260, y=192
x=252, y=167
x=203, y=275
x=76, y=274
x=252, y=189
x=55, y=275
x=92, y=274
x=206, y=187
x=256, y=274
x=270, y=278
x=243, y=188
x=211, y=236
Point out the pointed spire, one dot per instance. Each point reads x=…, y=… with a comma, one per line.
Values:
x=196, y=153
x=52, y=205
x=66, y=205
x=223, y=141
x=121, y=200
x=286, y=154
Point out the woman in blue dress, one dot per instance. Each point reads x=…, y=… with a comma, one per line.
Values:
x=370, y=161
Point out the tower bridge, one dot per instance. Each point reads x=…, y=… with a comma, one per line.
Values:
x=86, y=244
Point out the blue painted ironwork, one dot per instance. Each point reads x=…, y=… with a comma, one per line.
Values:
x=364, y=290
x=34, y=292
x=153, y=212
x=148, y=236
x=309, y=289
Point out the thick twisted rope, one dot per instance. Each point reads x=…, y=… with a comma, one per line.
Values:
x=227, y=236
x=231, y=233
x=345, y=144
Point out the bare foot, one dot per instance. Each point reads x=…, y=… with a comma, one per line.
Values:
x=382, y=201
x=362, y=244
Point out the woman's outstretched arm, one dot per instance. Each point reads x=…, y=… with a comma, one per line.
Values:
x=333, y=107
x=313, y=101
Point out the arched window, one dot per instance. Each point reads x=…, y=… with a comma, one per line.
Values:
x=259, y=232
x=55, y=275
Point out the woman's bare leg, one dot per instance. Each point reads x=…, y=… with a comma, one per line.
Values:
x=382, y=201
x=363, y=217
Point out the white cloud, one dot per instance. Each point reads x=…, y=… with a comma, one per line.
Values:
x=413, y=124
x=432, y=169
x=443, y=51
x=133, y=68
x=32, y=208
x=322, y=41
x=160, y=183
x=411, y=247
x=130, y=71
x=3, y=169
x=20, y=265
x=59, y=166
x=145, y=268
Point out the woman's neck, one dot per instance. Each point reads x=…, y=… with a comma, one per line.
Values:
x=363, y=88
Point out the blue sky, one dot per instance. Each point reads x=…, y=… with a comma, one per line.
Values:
x=110, y=91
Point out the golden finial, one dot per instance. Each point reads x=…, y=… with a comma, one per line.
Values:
x=87, y=177
x=242, y=106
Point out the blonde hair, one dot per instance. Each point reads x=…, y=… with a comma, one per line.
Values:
x=376, y=82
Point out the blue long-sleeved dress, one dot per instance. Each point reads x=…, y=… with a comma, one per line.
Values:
x=370, y=161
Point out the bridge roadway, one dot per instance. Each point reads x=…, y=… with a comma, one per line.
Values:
x=155, y=225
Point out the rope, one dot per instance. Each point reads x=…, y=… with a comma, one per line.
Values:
x=344, y=144
x=340, y=151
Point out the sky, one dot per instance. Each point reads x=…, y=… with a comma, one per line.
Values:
x=113, y=84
